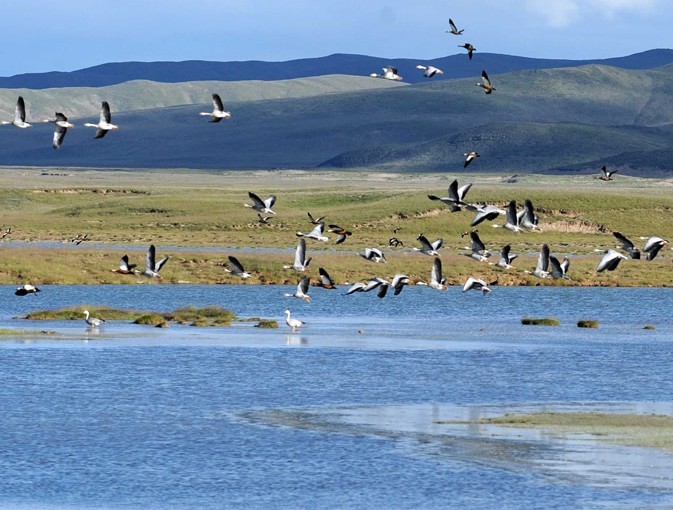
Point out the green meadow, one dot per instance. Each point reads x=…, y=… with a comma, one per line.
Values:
x=124, y=212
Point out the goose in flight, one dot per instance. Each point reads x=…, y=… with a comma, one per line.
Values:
x=94, y=322
x=559, y=269
x=484, y=212
x=62, y=125
x=26, y=289
x=512, y=220
x=104, y=123
x=236, y=268
x=398, y=283
x=485, y=83
x=373, y=254
x=152, y=267
x=427, y=247
x=627, y=245
x=453, y=29
x=653, y=245
x=341, y=233
x=218, y=112
x=316, y=233
x=606, y=175
x=264, y=220
x=476, y=284
x=326, y=281
x=389, y=73
x=477, y=249
x=314, y=221
x=293, y=323
x=506, y=259
x=259, y=205
x=610, y=260
x=302, y=290
x=456, y=196
x=469, y=157
x=437, y=281
x=300, y=261
x=429, y=71
x=527, y=218
x=19, y=115
x=125, y=267
x=542, y=268
x=470, y=49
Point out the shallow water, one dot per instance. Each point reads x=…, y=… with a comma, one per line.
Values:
x=188, y=417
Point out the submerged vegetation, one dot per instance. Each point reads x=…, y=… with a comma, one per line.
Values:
x=544, y=321
x=586, y=323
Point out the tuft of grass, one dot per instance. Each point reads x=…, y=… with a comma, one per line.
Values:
x=77, y=313
x=267, y=324
x=587, y=323
x=649, y=326
x=544, y=321
x=206, y=316
x=152, y=319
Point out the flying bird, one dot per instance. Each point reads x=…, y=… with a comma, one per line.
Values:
x=653, y=245
x=453, y=28
x=264, y=220
x=527, y=218
x=610, y=260
x=542, y=268
x=125, y=267
x=104, y=123
x=316, y=233
x=152, y=267
x=315, y=221
x=437, y=281
x=259, y=205
x=427, y=247
x=373, y=254
x=341, y=233
x=477, y=249
x=469, y=157
x=470, y=49
x=302, y=290
x=236, y=268
x=19, y=115
x=456, y=196
x=512, y=220
x=300, y=261
x=559, y=269
x=429, y=71
x=26, y=289
x=506, y=259
x=326, y=281
x=293, y=323
x=62, y=125
x=476, y=284
x=389, y=73
x=484, y=212
x=485, y=83
x=606, y=175
x=218, y=112
x=92, y=321
x=627, y=245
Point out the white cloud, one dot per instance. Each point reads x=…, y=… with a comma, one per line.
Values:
x=557, y=13
x=561, y=13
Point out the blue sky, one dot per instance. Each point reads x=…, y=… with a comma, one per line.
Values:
x=63, y=36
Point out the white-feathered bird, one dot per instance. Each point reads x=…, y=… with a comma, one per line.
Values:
x=292, y=323
x=104, y=123
x=218, y=112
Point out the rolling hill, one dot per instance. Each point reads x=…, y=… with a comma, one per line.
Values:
x=541, y=120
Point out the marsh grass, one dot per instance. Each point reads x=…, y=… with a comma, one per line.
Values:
x=267, y=324
x=205, y=210
x=587, y=323
x=544, y=321
x=206, y=316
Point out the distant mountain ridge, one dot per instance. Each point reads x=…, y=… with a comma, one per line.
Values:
x=454, y=66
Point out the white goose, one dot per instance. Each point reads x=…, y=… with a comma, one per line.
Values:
x=218, y=112
x=302, y=290
x=263, y=206
x=104, y=123
x=429, y=71
x=293, y=324
x=62, y=125
x=476, y=284
x=152, y=267
x=300, y=261
x=389, y=73
x=94, y=322
x=316, y=233
x=19, y=115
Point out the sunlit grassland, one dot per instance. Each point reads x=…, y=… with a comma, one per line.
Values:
x=124, y=213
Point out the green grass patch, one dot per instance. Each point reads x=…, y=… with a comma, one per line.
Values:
x=543, y=321
x=649, y=326
x=587, y=323
x=77, y=313
x=152, y=319
x=267, y=324
x=206, y=316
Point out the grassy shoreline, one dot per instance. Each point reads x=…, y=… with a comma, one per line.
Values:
x=204, y=211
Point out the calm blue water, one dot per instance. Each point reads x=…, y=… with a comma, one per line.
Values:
x=136, y=417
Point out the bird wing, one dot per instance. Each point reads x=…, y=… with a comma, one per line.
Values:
x=653, y=252
x=20, y=110
x=543, y=259
x=484, y=77
x=383, y=289
x=453, y=191
x=59, y=135
x=453, y=26
x=325, y=278
x=356, y=287
x=150, y=258
x=626, y=243
x=105, y=112
x=436, y=271
x=437, y=244
x=424, y=243
x=303, y=285
x=160, y=264
x=259, y=203
x=504, y=254
x=300, y=253
x=270, y=201
x=462, y=191
x=469, y=284
x=238, y=267
x=61, y=117
x=477, y=245
x=217, y=103
x=512, y=217
x=100, y=133
x=556, y=270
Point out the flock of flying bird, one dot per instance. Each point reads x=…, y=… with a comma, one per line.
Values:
x=548, y=266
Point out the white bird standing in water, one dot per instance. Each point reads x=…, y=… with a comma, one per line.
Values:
x=292, y=323
x=19, y=115
x=104, y=123
x=92, y=321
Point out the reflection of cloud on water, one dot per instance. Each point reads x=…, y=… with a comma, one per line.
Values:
x=447, y=433
x=295, y=340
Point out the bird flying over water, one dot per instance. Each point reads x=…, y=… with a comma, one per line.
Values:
x=610, y=260
x=300, y=261
x=236, y=268
x=19, y=115
x=437, y=281
x=104, y=123
x=542, y=268
x=326, y=281
x=62, y=125
x=152, y=267
x=218, y=112
x=302, y=290
x=373, y=254
x=476, y=284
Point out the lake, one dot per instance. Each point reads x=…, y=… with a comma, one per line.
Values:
x=341, y=414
